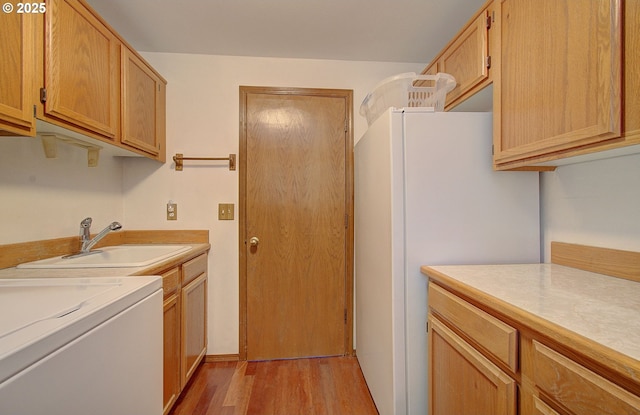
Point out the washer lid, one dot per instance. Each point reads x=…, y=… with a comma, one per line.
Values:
x=28, y=302
x=37, y=316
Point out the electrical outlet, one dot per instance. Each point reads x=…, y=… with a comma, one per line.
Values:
x=225, y=211
x=172, y=211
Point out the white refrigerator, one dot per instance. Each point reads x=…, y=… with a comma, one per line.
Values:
x=426, y=194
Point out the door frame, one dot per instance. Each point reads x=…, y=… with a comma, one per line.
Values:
x=347, y=94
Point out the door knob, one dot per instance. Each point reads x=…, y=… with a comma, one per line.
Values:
x=254, y=241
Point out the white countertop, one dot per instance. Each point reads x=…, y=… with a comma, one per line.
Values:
x=598, y=307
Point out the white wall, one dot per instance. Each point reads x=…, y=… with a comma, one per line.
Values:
x=593, y=203
x=44, y=198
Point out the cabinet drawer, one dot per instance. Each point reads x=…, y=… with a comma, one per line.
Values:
x=577, y=388
x=170, y=282
x=493, y=335
x=193, y=268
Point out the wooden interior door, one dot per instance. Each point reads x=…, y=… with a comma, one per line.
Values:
x=296, y=201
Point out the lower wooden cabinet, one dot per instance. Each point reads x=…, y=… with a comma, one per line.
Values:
x=462, y=380
x=171, y=368
x=185, y=325
x=472, y=371
x=565, y=383
x=194, y=316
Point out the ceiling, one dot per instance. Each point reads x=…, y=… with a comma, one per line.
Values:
x=359, y=30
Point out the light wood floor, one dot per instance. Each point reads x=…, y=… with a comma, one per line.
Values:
x=332, y=385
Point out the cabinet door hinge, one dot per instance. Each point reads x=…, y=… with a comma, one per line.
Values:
x=489, y=20
x=346, y=221
x=345, y=316
x=34, y=111
x=487, y=62
x=43, y=95
x=346, y=125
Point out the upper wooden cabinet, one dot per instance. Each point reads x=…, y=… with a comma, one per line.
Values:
x=143, y=106
x=17, y=73
x=81, y=67
x=564, y=78
x=467, y=57
x=72, y=70
x=560, y=79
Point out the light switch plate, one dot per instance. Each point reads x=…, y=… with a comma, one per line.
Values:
x=225, y=211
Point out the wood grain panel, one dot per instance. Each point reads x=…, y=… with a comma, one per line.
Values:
x=541, y=408
x=303, y=386
x=171, y=352
x=170, y=282
x=631, y=58
x=18, y=73
x=143, y=125
x=194, y=268
x=462, y=380
x=465, y=58
x=561, y=86
x=296, y=204
x=496, y=337
x=193, y=326
x=82, y=69
x=614, y=262
x=577, y=388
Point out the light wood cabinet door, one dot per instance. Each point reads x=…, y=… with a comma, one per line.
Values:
x=82, y=70
x=466, y=59
x=194, y=325
x=462, y=380
x=143, y=106
x=171, y=368
x=17, y=73
x=560, y=78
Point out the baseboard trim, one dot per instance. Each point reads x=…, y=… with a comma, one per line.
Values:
x=213, y=358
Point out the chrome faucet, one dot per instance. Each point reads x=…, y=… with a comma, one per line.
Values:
x=85, y=237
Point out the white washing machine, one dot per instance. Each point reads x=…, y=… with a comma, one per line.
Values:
x=78, y=346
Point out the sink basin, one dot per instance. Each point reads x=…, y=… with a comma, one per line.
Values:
x=118, y=256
